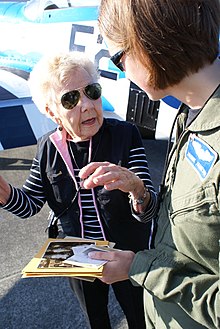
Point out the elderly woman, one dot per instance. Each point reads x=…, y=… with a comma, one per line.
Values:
x=65, y=87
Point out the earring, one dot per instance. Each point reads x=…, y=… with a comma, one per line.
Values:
x=60, y=127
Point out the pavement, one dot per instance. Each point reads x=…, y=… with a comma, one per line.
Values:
x=43, y=303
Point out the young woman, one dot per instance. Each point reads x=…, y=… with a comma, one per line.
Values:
x=171, y=47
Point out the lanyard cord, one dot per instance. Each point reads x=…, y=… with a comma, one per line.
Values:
x=78, y=188
x=52, y=219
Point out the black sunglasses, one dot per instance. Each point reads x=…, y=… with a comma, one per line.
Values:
x=116, y=59
x=71, y=99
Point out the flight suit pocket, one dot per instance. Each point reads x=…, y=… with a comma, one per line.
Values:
x=198, y=205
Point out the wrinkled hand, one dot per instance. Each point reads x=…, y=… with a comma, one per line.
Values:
x=118, y=265
x=5, y=191
x=110, y=176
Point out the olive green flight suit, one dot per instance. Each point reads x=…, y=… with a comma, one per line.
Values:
x=180, y=276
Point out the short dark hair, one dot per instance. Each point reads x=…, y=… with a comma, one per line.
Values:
x=172, y=38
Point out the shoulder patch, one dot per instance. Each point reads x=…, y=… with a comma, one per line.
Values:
x=200, y=156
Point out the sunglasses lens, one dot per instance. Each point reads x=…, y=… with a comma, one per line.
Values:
x=70, y=99
x=116, y=59
x=120, y=66
x=93, y=91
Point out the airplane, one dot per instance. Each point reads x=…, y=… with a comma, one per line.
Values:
x=33, y=28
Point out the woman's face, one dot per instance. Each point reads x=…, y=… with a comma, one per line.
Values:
x=85, y=119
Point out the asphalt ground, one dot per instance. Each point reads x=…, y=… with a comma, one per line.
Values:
x=43, y=303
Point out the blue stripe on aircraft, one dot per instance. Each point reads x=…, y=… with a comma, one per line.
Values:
x=13, y=59
x=15, y=129
x=11, y=9
x=106, y=105
x=71, y=14
x=16, y=12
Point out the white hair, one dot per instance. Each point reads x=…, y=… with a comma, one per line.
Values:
x=52, y=71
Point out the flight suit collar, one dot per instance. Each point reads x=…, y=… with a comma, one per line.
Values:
x=210, y=110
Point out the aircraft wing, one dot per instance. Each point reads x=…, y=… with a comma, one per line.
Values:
x=21, y=123
x=30, y=29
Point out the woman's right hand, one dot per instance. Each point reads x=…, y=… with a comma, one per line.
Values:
x=113, y=177
x=5, y=191
x=110, y=176
x=117, y=266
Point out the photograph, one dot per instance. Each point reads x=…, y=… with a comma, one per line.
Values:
x=57, y=252
x=81, y=257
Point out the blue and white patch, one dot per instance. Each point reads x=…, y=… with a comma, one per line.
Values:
x=200, y=156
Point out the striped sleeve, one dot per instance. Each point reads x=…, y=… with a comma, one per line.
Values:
x=29, y=200
x=139, y=165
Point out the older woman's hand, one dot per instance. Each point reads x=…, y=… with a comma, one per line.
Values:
x=110, y=176
x=118, y=265
x=113, y=177
x=5, y=191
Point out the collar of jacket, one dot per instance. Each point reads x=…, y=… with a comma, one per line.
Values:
x=58, y=138
x=209, y=117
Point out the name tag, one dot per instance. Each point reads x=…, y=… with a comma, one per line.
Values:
x=200, y=156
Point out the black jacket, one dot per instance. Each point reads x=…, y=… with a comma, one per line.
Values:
x=112, y=143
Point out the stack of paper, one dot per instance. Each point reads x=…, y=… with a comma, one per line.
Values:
x=67, y=257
